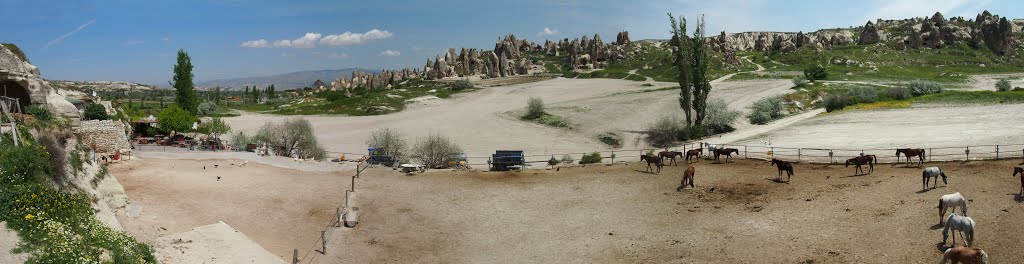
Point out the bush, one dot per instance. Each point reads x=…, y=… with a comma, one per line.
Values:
x=534, y=108
x=388, y=143
x=41, y=113
x=553, y=161
x=206, y=108
x=663, y=131
x=241, y=140
x=765, y=110
x=553, y=120
x=291, y=138
x=1003, y=85
x=435, y=150
x=175, y=119
x=863, y=95
x=23, y=164
x=462, y=85
x=800, y=81
x=567, y=159
x=215, y=127
x=591, y=158
x=815, y=73
x=899, y=93
x=919, y=87
x=837, y=101
x=94, y=111
x=611, y=138
x=718, y=115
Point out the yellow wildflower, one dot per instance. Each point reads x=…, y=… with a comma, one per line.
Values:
x=29, y=217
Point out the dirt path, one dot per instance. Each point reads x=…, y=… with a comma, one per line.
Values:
x=618, y=214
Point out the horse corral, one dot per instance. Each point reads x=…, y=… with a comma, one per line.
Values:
x=616, y=214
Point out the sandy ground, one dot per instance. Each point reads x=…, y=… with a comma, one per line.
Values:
x=213, y=243
x=619, y=214
x=988, y=81
x=923, y=127
x=8, y=241
x=281, y=209
x=484, y=121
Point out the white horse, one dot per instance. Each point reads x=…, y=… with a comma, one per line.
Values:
x=932, y=172
x=952, y=201
x=709, y=147
x=959, y=224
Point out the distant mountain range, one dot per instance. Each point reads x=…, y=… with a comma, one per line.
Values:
x=282, y=81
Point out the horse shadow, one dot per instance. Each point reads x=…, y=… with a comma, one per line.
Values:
x=1017, y=197
x=647, y=172
x=922, y=191
x=777, y=180
x=941, y=247
x=936, y=227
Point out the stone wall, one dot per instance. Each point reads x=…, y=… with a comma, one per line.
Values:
x=106, y=136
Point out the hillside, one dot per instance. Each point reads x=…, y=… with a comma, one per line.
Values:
x=102, y=86
x=282, y=81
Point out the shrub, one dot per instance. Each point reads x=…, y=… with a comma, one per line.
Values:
x=717, y=114
x=919, y=87
x=553, y=120
x=23, y=164
x=612, y=139
x=175, y=119
x=815, y=73
x=765, y=110
x=41, y=113
x=899, y=93
x=94, y=111
x=388, y=142
x=567, y=159
x=1003, y=85
x=837, y=101
x=206, y=108
x=534, y=108
x=292, y=137
x=591, y=158
x=435, y=150
x=462, y=85
x=663, y=131
x=215, y=127
x=863, y=95
x=800, y=81
x=241, y=140
x=553, y=161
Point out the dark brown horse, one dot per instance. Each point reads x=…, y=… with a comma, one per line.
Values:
x=694, y=153
x=687, y=179
x=910, y=152
x=727, y=152
x=670, y=155
x=1020, y=170
x=783, y=166
x=651, y=160
x=862, y=160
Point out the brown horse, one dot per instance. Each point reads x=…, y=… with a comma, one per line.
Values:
x=783, y=166
x=651, y=160
x=966, y=255
x=910, y=152
x=1020, y=170
x=694, y=153
x=727, y=152
x=687, y=179
x=670, y=155
x=862, y=160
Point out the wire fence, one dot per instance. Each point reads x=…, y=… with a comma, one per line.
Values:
x=347, y=206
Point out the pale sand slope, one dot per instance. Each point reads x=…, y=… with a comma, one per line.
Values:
x=214, y=243
x=988, y=81
x=281, y=209
x=8, y=241
x=924, y=127
x=484, y=121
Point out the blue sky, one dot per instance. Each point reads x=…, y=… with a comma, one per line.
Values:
x=137, y=40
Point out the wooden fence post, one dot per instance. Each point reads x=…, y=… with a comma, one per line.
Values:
x=323, y=238
x=295, y=256
x=799, y=154
x=967, y=152
x=997, y=151
x=744, y=151
x=831, y=160
x=929, y=155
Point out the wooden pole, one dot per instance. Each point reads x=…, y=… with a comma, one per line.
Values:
x=799, y=154
x=353, y=183
x=831, y=160
x=929, y=155
x=323, y=238
x=997, y=151
x=967, y=153
x=744, y=151
x=295, y=256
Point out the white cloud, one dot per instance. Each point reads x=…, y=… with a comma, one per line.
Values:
x=349, y=38
x=305, y=42
x=69, y=34
x=418, y=49
x=166, y=39
x=260, y=43
x=335, y=55
x=548, y=32
x=287, y=55
x=133, y=43
x=390, y=53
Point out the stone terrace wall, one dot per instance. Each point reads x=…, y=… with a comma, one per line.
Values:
x=107, y=136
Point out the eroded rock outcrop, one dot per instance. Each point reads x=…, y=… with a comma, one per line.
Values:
x=22, y=81
x=869, y=34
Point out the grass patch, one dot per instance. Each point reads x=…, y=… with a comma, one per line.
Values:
x=972, y=97
x=611, y=138
x=881, y=105
x=553, y=121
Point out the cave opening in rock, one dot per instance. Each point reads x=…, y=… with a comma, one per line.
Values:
x=15, y=90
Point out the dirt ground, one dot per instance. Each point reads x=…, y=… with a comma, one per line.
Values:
x=281, y=209
x=485, y=120
x=620, y=214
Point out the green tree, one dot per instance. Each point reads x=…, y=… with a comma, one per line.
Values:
x=186, y=93
x=271, y=92
x=682, y=62
x=256, y=96
x=701, y=85
x=215, y=127
x=175, y=119
x=94, y=111
x=245, y=96
x=815, y=73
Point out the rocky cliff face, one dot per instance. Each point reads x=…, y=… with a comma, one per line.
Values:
x=22, y=80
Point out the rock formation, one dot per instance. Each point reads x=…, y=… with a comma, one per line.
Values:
x=622, y=38
x=869, y=35
x=996, y=33
x=22, y=81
